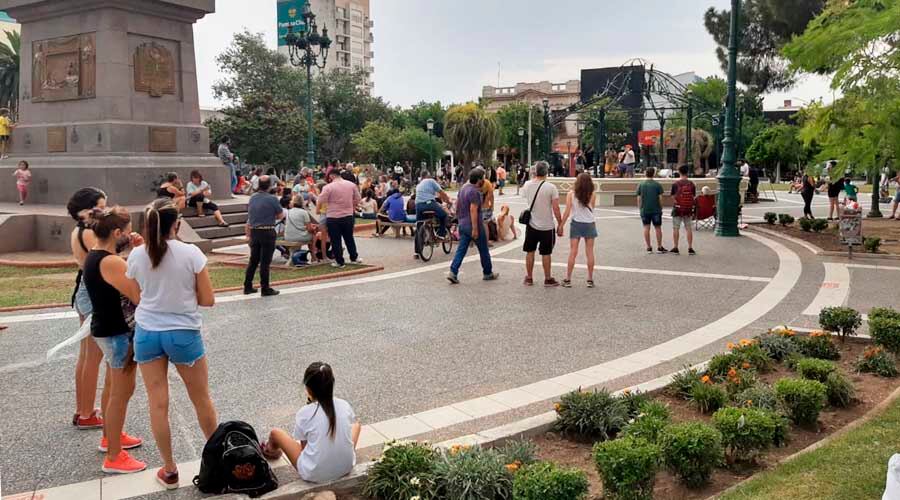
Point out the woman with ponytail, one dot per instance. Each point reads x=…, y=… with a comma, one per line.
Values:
x=108, y=288
x=326, y=431
x=87, y=368
x=174, y=281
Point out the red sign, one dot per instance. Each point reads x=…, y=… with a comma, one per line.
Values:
x=648, y=137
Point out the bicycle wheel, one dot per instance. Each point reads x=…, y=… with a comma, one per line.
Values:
x=427, y=248
x=447, y=244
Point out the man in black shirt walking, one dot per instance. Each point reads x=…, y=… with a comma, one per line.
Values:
x=263, y=211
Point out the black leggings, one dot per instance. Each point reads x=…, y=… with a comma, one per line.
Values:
x=807, y=204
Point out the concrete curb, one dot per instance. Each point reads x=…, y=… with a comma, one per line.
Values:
x=38, y=263
x=869, y=416
x=527, y=427
x=755, y=226
x=323, y=277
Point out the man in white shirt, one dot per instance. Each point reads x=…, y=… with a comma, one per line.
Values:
x=540, y=233
x=629, y=160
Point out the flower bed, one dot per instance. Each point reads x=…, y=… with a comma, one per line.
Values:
x=755, y=404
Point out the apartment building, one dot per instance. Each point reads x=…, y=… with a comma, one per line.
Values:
x=349, y=26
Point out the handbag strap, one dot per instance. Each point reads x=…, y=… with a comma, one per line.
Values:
x=533, y=200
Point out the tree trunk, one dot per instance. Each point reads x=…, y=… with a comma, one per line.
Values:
x=875, y=212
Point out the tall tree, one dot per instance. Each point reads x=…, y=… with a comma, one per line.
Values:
x=417, y=116
x=378, y=142
x=9, y=72
x=778, y=146
x=471, y=132
x=766, y=25
x=342, y=107
x=514, y=116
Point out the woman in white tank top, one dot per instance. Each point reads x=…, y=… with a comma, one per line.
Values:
x=580, y=206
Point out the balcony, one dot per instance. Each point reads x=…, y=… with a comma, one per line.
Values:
x=370, y=23
x=370, y=37
x=370, y=54
x=341, y=14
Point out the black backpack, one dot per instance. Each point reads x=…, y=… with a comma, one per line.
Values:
x=233, y=462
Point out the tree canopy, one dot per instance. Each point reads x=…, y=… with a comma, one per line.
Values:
x=471, y=132
x=514, y=116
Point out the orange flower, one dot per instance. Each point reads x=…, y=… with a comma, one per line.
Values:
x=706, y=379
x=626, y=392
x=557, y=407
x=513, y=467
x=745, y=342
x=746, y=365
x=872, y=352
x=732, y=372
x=730, y=345
x=817, y=333
x=749, y=402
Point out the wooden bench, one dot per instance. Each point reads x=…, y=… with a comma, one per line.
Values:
x=379, y=224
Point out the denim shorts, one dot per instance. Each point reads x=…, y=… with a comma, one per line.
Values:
x=587, y=230
x=897, y=196
x=181, y=347
x=655, y=219
x=83, y=304
x=117, y=350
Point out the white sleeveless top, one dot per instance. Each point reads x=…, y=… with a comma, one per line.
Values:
x=581, y=213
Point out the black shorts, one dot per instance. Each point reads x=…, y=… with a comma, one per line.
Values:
x=535, y=238
x=4, y=138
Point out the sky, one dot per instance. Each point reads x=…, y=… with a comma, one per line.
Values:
x=446, y=50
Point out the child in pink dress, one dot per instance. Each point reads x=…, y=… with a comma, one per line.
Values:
x=23, y=179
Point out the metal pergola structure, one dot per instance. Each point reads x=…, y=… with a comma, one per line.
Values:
x=660, y=93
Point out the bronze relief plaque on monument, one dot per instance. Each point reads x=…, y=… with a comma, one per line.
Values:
x=56, y=139
x=64, y=68
x=154, y=70
x=163, y=140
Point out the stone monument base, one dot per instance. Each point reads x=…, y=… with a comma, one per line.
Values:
x=126, y=179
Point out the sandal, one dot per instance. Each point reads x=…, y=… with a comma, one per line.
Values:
x=590, y=283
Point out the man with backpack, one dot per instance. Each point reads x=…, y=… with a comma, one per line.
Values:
x=684, y=195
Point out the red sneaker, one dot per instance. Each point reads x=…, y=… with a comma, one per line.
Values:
x=123, y=464
x=128, y=442
x=95, y=421
x=169, y=480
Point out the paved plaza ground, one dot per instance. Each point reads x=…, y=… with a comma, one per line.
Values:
x=417, y=357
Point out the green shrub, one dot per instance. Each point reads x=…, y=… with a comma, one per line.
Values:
x=819, y=225
x=627, y=467
x=885, y=331
x=649, y=422
x=749, y=351
x=878, y=361
x=708, y=397
x=814, y=369
x=739, y=380
x=521, y=451
x=841, y=320
x=691, y=451
x=633, y=401
x=785, y=219
x=883, y=312
x=547, y=481
x=802, y=399
x=403, y=471
x=719, y=365
x=683, y=382
x=872, y=244
x=818, y=345
x=806, y=224
x=593, y=414
x=839, y=389
x=770, y=218
x=777, y=347
x=760, y=397
x=745, y=431
x=474, y=474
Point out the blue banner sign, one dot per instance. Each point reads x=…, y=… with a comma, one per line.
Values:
x=290, y=15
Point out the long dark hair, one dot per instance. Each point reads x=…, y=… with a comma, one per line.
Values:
x=103, y=221
x=83, y=199
x=584, y=189
x=160, y=217
x=319, y=379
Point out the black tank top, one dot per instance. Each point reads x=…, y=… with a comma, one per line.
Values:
x=108, y=320
x=164, y=192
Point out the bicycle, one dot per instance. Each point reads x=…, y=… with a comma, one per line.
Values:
x=427, y=237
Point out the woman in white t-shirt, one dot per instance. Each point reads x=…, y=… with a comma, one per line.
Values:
x=174, y=282
x=198, y=193
x=323, y=445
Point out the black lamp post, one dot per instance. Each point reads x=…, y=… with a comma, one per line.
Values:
x=430, y=125
x=304, y=50
x=521, y=145
x=549, y=132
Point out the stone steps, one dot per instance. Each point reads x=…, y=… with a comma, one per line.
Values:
x=211, y=235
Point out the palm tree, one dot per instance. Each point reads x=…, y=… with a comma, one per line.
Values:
x=471, y=132
x=9, y=72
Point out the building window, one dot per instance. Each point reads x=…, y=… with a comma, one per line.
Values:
x=356, y=16
x=341, y=13
x=356, y=32
x=357, y=47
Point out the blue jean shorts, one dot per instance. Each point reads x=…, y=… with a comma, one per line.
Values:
x=83, y=304
x=897, y=196
x=587, y=230
x=117, y=350
x=655, y=219
x=181, y=347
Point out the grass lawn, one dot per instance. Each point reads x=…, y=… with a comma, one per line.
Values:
x=851, y=467
x=21, y=286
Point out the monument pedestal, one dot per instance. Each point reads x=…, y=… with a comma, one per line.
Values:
x=108, y=98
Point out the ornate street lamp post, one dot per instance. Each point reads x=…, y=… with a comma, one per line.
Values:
x=729, y=177
x=430, y=126
x=521, y=144
x=549, y=132
x=305, y=49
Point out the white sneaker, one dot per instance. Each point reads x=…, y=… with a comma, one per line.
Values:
x=357, y=261
x=336, y=265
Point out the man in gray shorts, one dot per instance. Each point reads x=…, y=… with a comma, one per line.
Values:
x=684, y=195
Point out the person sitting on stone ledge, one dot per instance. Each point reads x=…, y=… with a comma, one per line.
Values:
x=198, y=192
x=323, y=445
x=173, y=188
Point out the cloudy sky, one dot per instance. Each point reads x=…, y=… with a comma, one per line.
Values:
x=447, y=49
